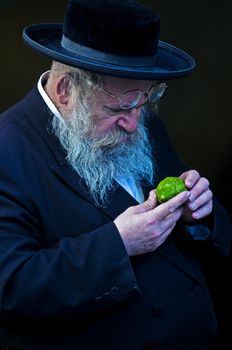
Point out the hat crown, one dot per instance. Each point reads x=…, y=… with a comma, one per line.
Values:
x=120, y=27
x=114, y=37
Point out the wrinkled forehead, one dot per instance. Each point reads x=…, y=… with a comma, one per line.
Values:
x=117, y=85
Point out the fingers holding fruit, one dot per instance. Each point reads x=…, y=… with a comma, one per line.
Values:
x=198, y=209
x=190, y=178
x=200, y=202
x=144, y=227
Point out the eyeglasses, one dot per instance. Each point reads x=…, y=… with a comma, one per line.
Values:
x=132, y=98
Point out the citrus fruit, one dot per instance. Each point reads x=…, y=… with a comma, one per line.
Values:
x=169, y=187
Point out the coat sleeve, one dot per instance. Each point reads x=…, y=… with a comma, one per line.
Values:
x=74, y=277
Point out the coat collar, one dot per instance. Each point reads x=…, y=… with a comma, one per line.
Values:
x=40, y=117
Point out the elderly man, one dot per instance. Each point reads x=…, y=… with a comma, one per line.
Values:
x=84, y=245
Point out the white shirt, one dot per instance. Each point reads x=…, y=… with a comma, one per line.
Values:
x=129, y=184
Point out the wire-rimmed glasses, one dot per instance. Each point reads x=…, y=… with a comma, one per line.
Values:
x=133, y=98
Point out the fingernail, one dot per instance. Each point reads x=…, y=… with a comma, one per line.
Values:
x=192, y=206
x=188, y=184
x=191, y=197
x=187, y=194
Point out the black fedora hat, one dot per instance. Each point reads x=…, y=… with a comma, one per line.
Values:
x=114, y=37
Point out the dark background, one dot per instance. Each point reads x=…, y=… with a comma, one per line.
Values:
x=196, y=109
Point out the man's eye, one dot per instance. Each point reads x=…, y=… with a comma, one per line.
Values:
x=112, y=111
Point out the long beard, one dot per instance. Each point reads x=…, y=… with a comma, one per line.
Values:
x=100, y=159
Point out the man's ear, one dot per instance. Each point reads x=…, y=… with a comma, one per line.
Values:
x=62, y=90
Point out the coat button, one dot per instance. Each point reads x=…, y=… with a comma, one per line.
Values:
x=157, y=310
x=114, y=290
x=98, y=299
x=198, y=291
x=107, y=295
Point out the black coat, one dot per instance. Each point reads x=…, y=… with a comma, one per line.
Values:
x=63, y=263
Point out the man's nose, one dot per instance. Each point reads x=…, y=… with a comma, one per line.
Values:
x=129, y=119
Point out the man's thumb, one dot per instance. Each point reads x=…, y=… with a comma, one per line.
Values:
x=149, y=204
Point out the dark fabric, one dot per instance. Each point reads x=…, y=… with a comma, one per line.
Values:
x=66, y=281
x=115, y=37
x=128, y=28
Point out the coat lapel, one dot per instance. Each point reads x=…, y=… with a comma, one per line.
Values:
x=119, y=199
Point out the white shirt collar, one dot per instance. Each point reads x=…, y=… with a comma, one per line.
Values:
x=45, y=97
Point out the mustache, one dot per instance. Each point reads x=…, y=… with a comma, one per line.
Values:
x=113, y=138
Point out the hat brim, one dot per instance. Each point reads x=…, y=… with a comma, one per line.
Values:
x=171, y=62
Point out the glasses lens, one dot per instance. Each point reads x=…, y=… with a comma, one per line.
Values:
x=156, y=92
x=130, y=99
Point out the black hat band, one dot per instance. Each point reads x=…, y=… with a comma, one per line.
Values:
x=93, y=54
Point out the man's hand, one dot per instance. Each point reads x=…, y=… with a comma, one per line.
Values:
x=146, y=226
x=200, y=202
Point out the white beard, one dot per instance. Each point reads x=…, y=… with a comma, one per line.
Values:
x=98, y=160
